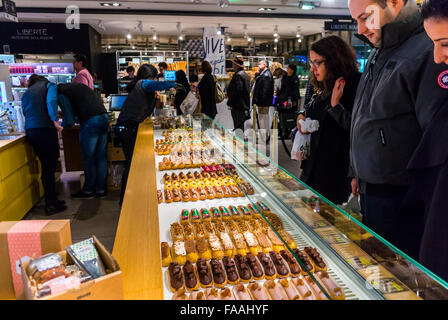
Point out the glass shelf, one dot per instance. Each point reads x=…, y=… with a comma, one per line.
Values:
x=360, y=262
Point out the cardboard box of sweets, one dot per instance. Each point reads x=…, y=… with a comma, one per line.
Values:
x=107, y=287
x=27, y=238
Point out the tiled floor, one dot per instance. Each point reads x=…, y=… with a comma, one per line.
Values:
x=100, y=217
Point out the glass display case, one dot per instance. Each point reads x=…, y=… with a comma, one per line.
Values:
x=310, y=248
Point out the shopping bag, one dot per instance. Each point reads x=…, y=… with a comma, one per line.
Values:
x=219, y=93
x=301, y=147
x=189, y=104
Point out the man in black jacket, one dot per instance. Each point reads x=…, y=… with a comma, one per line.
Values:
x=238, y=94
x=263, y=96
x=397, y=97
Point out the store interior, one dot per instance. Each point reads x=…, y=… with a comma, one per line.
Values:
x=348, y=260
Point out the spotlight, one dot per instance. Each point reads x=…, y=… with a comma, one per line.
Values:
x=133, y=47
x=276, y=40
x=300, y=40
x=223, y=3
x=129, y=36
x=218, y=31
x=276, y=31
x=116, y=4
x=109, y=47
x=181, y=37
x=249, y=39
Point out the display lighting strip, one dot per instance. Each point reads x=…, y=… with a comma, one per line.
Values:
x=110, y=4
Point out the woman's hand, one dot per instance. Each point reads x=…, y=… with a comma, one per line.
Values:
x=355, y=187
x=301, y=117
x=58, y=126
x=338, y=91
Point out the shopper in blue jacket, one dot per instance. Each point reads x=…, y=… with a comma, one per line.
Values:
x=40, y=108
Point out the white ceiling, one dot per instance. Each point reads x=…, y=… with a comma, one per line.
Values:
x=118, y=24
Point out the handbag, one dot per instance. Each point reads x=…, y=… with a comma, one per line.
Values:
x=219, y=93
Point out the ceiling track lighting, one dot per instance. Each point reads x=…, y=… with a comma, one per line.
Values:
x=110, y=4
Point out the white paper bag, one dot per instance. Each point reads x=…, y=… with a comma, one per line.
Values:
x=301, y=147
x=189, y=104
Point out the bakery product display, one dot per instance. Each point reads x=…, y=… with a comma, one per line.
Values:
x=304, y=291
x=197, y=295
x=176, y=278
x=226, y=294
x=255, y=267
x=244, y=270
x=241, y=293
x=180, y=294
x=258, y=292
x=166, y=254
x=190, y=249
x=203, y=249
x=293, y=265
x=290, y=289
x=179, y=252
x=212, y=294
x=218, y=273
x=279, y=263
x=303, y=257
x=316, y=258
x=204, y=273
x=190, y=276
x=215, y=246
x=335, y=292
x=315, y=288
x=231, y=270
x=277, y=244
x=275, y=290
x=268, y=266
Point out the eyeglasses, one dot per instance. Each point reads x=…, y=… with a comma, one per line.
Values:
x=316, y=63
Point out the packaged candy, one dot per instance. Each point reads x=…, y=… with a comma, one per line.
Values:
x=86, y=257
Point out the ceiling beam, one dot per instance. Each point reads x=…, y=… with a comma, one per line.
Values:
x=185, y=13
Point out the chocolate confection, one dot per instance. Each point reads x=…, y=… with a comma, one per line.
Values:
x=190, y=275
x=176, y=278
x=219, y=276
x=292, y=262
x=254, y=265
x=204, y=274
x=243, y=267
x=279, y=264
x=266, y=262
x=304, y=258
x=229, y=265
x=315, y=256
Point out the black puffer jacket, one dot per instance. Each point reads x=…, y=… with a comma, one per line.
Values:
x=207, y=92
x=290, y=89
x=238, y=91
x=264, y=89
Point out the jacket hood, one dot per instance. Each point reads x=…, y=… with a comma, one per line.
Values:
x=407, y=23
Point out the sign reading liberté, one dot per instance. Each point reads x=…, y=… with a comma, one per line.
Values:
x=215, y=50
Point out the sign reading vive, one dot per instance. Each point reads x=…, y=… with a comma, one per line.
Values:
x=8, y=10
x=340, y=26
x=215, y=50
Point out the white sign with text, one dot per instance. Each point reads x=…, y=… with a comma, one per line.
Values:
x=215, y=50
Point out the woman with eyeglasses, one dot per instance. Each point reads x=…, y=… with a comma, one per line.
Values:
x=335, y=77
x=428, y=167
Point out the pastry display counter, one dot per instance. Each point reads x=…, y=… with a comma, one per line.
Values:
x=202, y=219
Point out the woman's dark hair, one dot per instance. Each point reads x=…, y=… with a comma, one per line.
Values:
x=194, y=78
x=293, y=67
x=146, y=71
x=181, y=78
x=130, y=69
x=340, y=61
x=35, y=78
x=437, y=9
x=279, y=72
x=206, y=67
x=163, y=65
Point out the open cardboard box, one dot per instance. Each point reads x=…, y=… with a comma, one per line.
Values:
x=108, y=287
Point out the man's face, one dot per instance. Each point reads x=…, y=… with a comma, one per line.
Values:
x=161, y=69
x=77, y=65
x=261, y=66
x=371, y=17
x=437, y=30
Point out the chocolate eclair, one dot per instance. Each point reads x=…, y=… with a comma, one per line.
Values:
x=315, y=256
x=219, y=276
x=305, y=260
x=191, y=282
x=255, y=267
x=268, y=266
x=280, y=266
x=204, y=273
x=243, y=268
x=230, y=267
x=176, y=277
x=294, y=266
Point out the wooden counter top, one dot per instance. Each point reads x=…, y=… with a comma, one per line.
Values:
x=137, y=242
x=4, y=144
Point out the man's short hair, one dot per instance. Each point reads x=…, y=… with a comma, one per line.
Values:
x=265, y=62
x=383, y=3
x=293, y=67
x=130, y=69
x=81, y=58
x=163, y=65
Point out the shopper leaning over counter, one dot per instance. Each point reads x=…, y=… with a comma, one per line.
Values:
x=429, y=164
x=82, y=74
x=397, y=97
x=335, y=78
x=40, y=104
x=88, y=107
x=138, y=106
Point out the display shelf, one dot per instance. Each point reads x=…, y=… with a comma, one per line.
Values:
x=362, y=263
